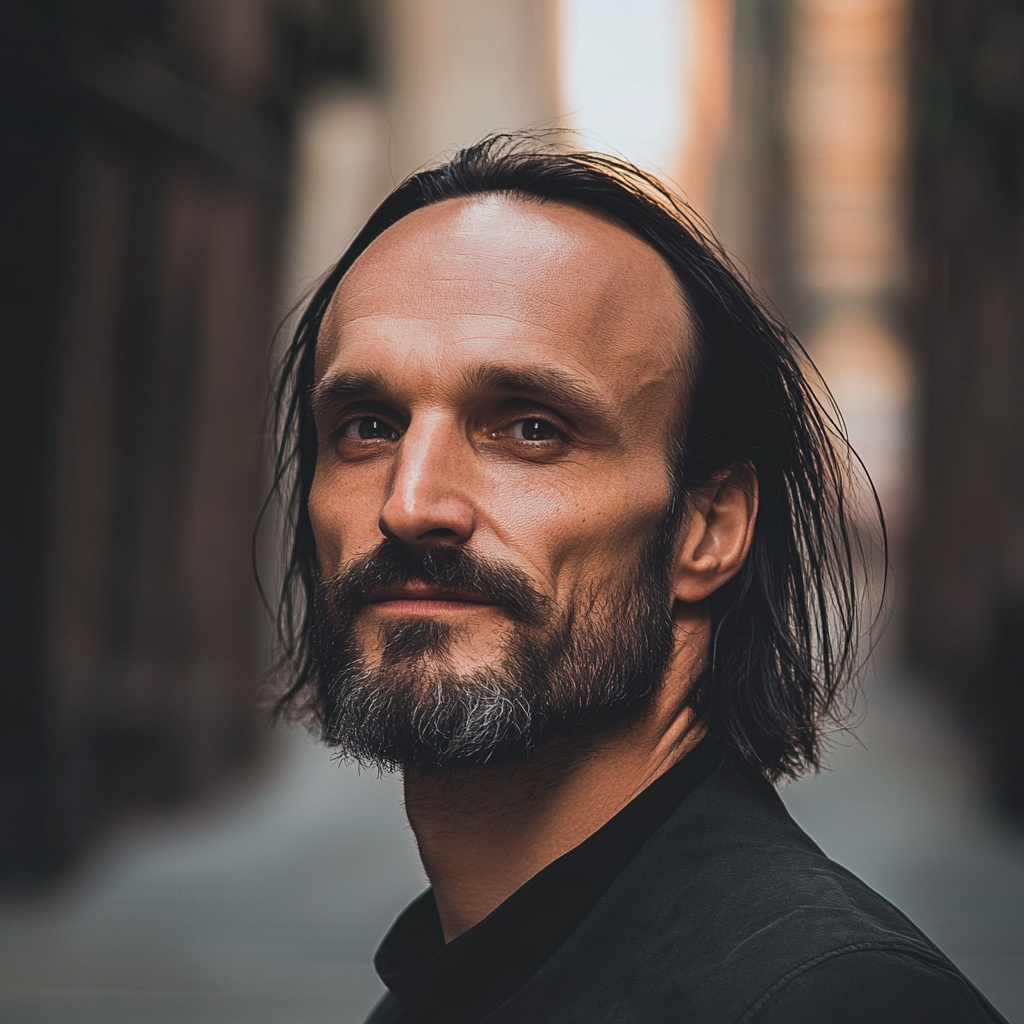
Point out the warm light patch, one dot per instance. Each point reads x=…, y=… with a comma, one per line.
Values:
x=624, y=68
x=649, y=80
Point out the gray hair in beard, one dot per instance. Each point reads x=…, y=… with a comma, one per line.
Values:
x=563, y=671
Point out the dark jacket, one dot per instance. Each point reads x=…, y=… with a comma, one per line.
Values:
x=727, y=913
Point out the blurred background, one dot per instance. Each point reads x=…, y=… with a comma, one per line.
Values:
x=178, y=173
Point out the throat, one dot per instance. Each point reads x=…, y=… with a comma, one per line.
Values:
x=485, y=832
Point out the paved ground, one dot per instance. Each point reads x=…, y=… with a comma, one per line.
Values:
x=264, y=906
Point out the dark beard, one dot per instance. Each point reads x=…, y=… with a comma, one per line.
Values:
x=563, y=672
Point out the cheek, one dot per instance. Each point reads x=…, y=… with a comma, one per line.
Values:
x=613, y=535
x=344, y=518
x=582, y=528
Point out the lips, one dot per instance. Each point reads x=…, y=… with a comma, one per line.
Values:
x=412, y=592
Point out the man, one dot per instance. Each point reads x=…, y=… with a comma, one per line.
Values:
x=571, y=549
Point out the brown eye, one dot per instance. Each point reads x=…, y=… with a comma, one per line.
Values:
x=533, y=430
x=369, y=428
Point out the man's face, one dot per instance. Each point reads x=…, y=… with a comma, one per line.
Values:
x=496, y=386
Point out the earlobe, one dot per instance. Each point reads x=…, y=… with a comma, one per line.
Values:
x=717, y=534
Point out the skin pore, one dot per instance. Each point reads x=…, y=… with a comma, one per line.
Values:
x=505, y=375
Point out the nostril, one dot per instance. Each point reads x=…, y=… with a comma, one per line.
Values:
x=438, y=533
x=395, y=531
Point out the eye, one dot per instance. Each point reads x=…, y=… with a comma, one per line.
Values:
x=369, y=428
x=532, y=429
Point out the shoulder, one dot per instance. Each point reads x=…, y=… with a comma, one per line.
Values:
x=737, y=837
x=733, y=850
x=730, y=906
x=883, y=986
x=808, y=939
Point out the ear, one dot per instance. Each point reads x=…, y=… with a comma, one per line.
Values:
x=716, y=535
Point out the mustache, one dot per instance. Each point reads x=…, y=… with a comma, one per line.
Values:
x=447, y=567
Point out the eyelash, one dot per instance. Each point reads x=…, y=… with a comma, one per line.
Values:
x=559, y=433
x=344, y=427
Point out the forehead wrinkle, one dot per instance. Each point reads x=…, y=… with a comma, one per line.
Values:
x=497, y=298
x=604, y=316
x=473, y=324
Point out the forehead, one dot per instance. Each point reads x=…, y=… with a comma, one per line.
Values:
x=494, y=279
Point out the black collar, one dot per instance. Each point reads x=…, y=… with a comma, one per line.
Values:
x=480, y=969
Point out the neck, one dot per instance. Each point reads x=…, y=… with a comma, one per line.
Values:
x=483, y=833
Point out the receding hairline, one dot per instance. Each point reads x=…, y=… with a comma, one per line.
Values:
x=685, y=354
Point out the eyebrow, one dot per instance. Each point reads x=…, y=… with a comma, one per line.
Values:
x=547, y=384
x=334, y=390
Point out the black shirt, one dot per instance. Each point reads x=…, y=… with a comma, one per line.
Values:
x=701, y=902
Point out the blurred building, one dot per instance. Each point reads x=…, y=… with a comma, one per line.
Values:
x=811, y=198
x=967, y=619
x=872, y=184
x=145, y=151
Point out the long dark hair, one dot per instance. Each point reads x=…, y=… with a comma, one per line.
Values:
x=785, y=629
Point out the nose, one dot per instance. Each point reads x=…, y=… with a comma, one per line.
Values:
x=429, y=500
